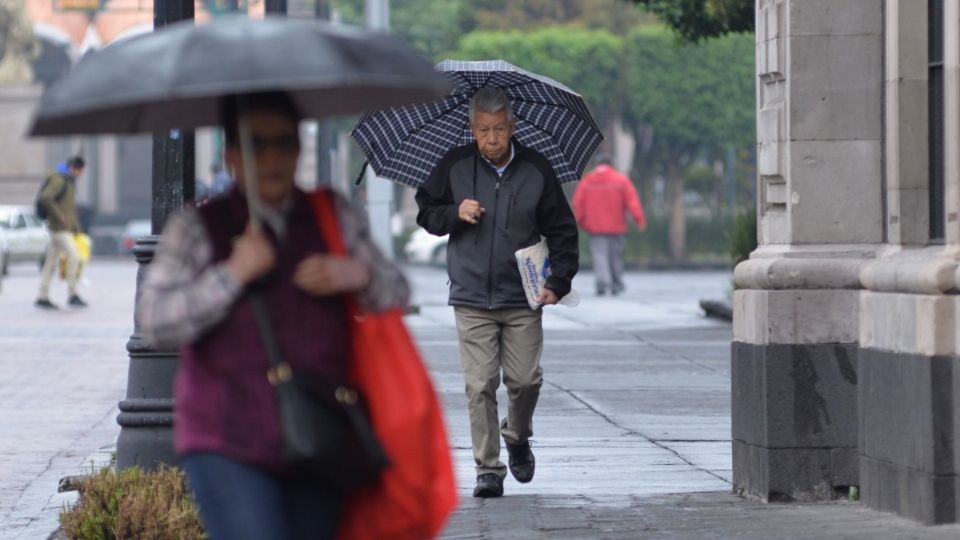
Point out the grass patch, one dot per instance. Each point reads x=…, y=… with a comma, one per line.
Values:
x=133, y=504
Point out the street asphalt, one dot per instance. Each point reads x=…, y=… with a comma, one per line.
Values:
x=632, y=433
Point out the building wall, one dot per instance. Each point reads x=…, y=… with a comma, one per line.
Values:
x=846, y=364
x=795, y=369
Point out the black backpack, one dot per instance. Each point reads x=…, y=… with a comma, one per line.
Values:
x=39, y=209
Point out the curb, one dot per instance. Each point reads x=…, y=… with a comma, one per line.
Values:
x=717, y=309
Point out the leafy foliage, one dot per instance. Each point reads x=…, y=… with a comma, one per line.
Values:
x=697, y=97
x=431, y=26
x=696, y=20
x=610, y=15
x=133, y=504
x=588, y=61
x=744, y=238
x=693, y=100
x=435, y=26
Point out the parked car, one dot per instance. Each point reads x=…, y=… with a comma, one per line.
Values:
x=3, y=253
x=26, y=237
x=133, y=230
x=425, y=248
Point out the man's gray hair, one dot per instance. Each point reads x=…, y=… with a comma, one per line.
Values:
x=492, y=100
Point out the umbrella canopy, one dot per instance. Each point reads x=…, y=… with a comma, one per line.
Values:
x=176, y=76
x=405, y=143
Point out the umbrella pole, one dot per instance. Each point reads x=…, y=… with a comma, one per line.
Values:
x=251, y=186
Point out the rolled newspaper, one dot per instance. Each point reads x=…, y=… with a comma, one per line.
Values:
x=534, y=265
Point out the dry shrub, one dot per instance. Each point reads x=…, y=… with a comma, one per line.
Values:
x=133, y=504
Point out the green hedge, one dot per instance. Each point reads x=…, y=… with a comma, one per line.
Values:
x=708, y=241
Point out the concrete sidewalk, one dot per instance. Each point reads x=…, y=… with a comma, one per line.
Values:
x=632, y=434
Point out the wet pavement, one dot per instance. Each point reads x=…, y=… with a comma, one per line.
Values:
x=632, y=433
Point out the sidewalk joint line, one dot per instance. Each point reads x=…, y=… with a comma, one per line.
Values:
x=636, y=433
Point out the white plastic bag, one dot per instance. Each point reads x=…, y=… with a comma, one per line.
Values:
x=534, y=264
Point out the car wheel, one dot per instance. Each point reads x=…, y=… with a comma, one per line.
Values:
x=439, y=257
x=4, y=262
x=43, y=259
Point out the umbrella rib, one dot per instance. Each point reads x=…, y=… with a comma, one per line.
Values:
x=419, y=128
x=558, y=106
x=542, y=129
x=453, y=108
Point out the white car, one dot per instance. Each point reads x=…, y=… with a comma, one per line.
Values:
x=3, y=253
x=426, y=248
x=25, y=236
x=133, y=231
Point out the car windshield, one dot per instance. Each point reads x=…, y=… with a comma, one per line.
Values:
x=138, y=228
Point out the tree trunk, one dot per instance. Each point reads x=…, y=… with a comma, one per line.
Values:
x=678, y=216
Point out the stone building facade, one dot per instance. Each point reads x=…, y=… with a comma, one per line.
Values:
x=845, y=356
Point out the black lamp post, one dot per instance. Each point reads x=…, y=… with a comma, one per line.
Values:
x=146, y=415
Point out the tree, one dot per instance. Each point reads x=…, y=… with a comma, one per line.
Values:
x=431, y=26
x=434, y=26
x=588, y=61
x=696, y=20
x=698, y=100
x=611, y=15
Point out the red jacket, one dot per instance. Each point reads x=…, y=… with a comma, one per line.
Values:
x=602, y=200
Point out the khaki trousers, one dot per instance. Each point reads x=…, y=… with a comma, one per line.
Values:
x=60, y=242
x=510, y=340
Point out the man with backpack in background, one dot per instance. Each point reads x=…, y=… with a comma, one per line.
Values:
x=56, y=203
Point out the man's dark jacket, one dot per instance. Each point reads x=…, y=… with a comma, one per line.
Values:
x=521, y=206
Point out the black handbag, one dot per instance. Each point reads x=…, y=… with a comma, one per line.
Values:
x=325, y=428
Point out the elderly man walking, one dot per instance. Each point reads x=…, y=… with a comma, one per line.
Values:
x=601, y=203
x=494, y=197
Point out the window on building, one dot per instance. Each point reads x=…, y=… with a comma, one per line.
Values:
x=935, y=89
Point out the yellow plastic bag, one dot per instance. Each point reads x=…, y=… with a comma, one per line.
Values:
x=82, y=241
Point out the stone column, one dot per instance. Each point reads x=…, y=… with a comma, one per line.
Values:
x=819, y=67
x=908, y=346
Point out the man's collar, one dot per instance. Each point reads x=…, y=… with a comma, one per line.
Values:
x=515, y=148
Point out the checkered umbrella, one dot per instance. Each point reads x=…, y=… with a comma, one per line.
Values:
x=403, y=144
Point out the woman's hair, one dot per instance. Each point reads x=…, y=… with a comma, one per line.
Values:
x=492, y=100
x=279, y=102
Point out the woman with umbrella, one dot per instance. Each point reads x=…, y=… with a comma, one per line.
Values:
x=193, y=296
x=255, y=276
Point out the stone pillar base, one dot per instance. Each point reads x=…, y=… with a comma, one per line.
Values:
x=794, y=420
x=907, y=432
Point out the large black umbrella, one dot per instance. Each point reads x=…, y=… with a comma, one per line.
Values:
x=175, y=77
x=404, y=143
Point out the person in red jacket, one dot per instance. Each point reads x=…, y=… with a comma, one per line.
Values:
x=600, y=204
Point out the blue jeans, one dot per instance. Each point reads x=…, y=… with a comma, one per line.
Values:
x=239, y=502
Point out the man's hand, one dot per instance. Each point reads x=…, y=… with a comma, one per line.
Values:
x=252, y=256
x=547, y=297
x=470, y=211
x=326, y=275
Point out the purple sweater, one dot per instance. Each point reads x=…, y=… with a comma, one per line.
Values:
x=224, y=403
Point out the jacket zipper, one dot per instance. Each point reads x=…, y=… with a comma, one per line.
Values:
x=493, y=243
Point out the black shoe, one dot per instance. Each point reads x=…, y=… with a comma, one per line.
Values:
x=76, y=301
x=488, y=485
x=522, y=462
x=601, y=292
x=45, y=303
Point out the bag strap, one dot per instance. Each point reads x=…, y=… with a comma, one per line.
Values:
x=326, y=212
x=279, y=370
x=63, y=190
